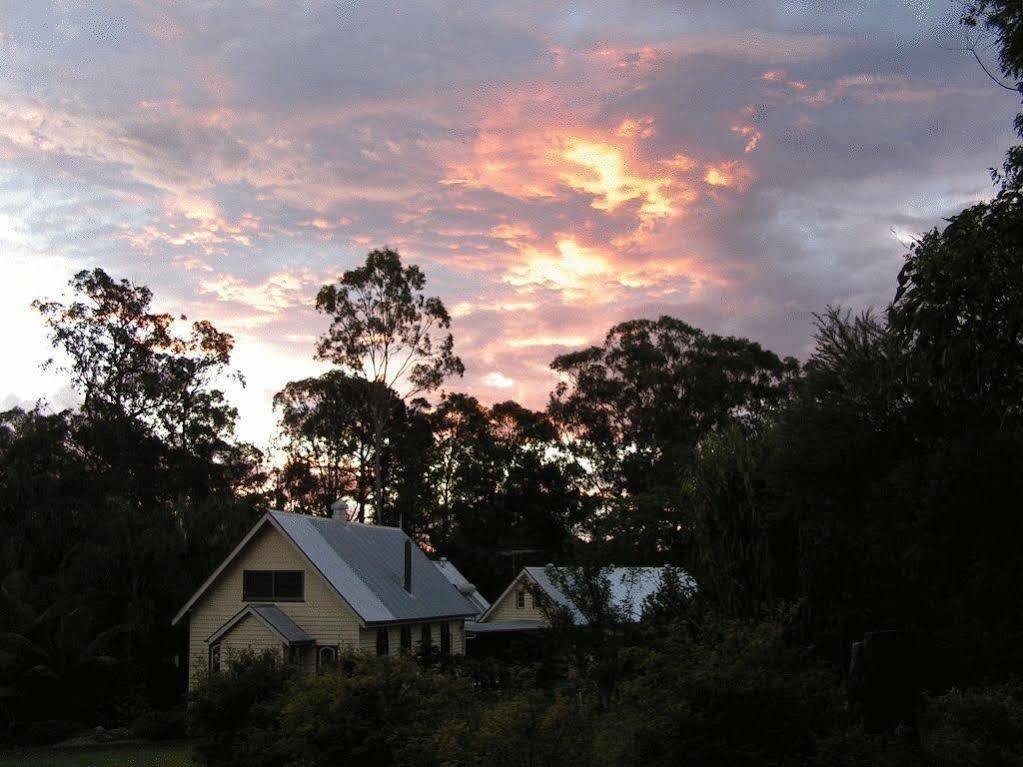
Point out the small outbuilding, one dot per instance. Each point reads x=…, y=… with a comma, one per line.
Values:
x=520, y=608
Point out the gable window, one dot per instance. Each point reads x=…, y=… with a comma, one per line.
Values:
x=425, y=638
x=445, y=639
x=215, y=658
x=406, y=639
x=273, y=585
x=382, y=642
x=520, y=599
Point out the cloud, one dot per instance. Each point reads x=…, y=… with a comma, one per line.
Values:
x=554, y=170
x=497, y=380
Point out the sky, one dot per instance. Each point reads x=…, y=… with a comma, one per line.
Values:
x=553, y=168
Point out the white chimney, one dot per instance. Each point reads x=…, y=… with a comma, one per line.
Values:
x=340, y=509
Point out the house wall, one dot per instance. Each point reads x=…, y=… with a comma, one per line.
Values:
x=323, y=615
x=505, y=608
x=368, y=637
x=249, y=634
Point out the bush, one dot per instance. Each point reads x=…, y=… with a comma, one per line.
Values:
x=529, y=728
x=234, y=715
x=723, y=692
x=980, y=726
x=370, y=711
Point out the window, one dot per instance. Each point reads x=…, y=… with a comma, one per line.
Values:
x=288, y=584
x=215, y=657
x=520, y=599
x=445, y=639
x=406, y=639
x=273, y=585
x=326, y=656
x=425, y=638
x=382, y=642
x=295, y=655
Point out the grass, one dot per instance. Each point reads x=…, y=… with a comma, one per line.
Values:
x=127, y=755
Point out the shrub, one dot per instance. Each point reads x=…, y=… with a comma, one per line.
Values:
x=979, y=726
x=370, y=711
x=234, y=714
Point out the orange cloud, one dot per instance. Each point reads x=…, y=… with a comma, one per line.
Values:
x=641, y=127
x=607, y=178
x=731, y=174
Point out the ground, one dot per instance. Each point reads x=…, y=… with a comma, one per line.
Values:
x=130, y=755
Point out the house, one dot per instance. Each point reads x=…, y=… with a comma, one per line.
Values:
x=462, y=585
x=520, y=607
x=311, y=587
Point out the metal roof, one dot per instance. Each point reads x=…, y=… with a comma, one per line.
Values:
x=500, y=627
x=279, y=621
x=630, y=586
x=462, y=585
x=365, y=565
x=273, y=617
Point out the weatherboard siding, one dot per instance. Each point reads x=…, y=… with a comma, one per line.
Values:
x=505, y=609
x=249, y=634
x=323, y=615
x=368, y=638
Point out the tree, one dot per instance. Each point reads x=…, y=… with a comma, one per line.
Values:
x=142, y=384
x=385, y=330
x=111, y=514
x=635, y=408
x=328, y=430
x=958, y=312
x=499, y=483
x=1004, y=19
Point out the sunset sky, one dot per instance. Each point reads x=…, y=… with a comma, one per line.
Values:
x=554, y=168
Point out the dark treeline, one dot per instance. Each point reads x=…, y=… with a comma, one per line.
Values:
x=874, y=487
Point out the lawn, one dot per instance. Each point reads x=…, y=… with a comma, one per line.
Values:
x=130, y=755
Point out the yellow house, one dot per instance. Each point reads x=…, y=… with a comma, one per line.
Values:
x=311, y=587
x=520, y=608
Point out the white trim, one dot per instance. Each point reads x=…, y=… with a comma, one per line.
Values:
x=223, y=565
x=246, y=611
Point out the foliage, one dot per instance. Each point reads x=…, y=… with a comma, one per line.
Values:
x=499, y=484
x=958, y=313
x=234, y=715
x=328, y=430
x=111, y=514
x=976, y=726
x=376, y=711
x=385, y=330
x=636, y=407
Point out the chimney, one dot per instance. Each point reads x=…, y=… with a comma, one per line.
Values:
x=408, y=565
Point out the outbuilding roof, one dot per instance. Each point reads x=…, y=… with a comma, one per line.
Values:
x=462, y=584
x=364, y=565
x=630, y=587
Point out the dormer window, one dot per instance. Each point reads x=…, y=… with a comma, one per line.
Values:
x=520, y=599
x=273, y=586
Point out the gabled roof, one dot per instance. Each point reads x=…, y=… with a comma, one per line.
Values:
x=272, y=617
x=462, y=585
x=630, y=587
x=364, y=565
